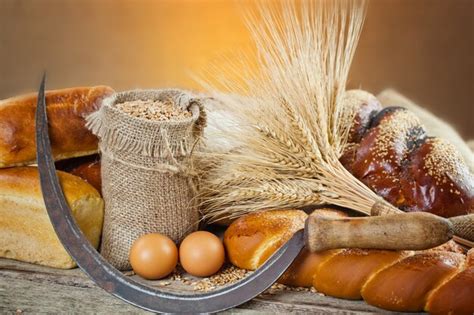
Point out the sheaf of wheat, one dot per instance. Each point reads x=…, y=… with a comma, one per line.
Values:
x=289, y=124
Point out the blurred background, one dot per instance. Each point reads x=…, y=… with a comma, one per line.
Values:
x=422, y=48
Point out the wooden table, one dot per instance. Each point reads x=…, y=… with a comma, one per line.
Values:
x=27, y=288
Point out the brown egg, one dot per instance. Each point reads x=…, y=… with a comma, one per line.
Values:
x=153, y=256
x=201, y=254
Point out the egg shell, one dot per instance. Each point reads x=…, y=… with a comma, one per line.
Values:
x=201, y=254
x=153, y=256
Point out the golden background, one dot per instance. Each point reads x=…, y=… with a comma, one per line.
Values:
x=423, y=48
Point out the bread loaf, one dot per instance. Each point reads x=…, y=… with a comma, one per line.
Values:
x=437, y=281
x=251, y=239
x=66, y=111
x=406, y=284
x=255, y=237
x=302, y=270
x=344, y=274
x=87, y=168
x=433, y=125
x=26, y=232
x=455, y=294
x=391, y=153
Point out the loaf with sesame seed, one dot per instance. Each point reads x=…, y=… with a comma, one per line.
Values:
x=392, y=154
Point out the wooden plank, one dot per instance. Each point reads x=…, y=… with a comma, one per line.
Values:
x=32, y=288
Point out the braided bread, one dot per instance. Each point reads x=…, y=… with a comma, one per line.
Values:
x=390, y=152
x=438, y=281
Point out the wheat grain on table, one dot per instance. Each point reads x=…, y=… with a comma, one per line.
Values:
x=27, y=288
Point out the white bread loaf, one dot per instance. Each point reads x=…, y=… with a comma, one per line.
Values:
x=26, y=232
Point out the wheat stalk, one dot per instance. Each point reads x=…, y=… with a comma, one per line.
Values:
x=291, y=125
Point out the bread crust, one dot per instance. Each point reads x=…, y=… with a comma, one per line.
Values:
x=405, y=286
x=434, y=280
x=455, y=295
x=301, y=272
x=344, y=274
x=251, y=239
x=86, y=167
x=66, y=110
x=90, y=172
x=26, y=232
x=391, y=153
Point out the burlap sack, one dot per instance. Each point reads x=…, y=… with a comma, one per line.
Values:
x=147, y=171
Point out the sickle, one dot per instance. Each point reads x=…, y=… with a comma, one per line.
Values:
x=112, y=280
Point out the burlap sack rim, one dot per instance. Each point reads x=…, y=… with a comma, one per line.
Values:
x=193, y=108
x=117, y=137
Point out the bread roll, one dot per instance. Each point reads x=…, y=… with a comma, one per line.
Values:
x=383, y=151
x=434, y=125
x=253, y=238
x=365, y=106
x=66, y=111
x=86, y=167
x=26, y=232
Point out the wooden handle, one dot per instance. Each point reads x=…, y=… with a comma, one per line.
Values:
x=463, y=226
x=410, y=231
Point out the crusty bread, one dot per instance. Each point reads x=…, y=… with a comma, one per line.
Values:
x=250, y=240
x=301, y=271
x=26, y=232
x=436, y=280
x=405, y=286
x=85, y=167
x=344, y=274
x=455, y=295
x=66, y=111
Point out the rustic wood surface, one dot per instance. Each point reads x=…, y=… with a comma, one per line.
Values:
x=28, y=288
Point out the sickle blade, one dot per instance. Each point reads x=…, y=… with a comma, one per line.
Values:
x=112, y=280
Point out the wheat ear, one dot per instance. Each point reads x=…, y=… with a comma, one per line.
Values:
x=291, y=125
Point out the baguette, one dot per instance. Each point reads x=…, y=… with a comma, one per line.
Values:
x=66, y=111
x=437, y=280
x=344, y=274
x=405, y=285
x=26, y=232
x=456, y=293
